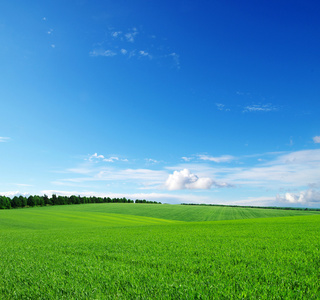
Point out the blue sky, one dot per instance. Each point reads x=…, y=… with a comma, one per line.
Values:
x=173, y=101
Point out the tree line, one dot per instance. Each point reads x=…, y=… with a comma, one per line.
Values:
x=262, y=207
x=31, y=201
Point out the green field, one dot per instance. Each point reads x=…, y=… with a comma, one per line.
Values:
x=137, y=251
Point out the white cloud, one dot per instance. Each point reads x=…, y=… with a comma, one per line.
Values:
x=80, y=170
x=111, y=159
x=145, y=54
x=278, y=170
x=184, y=179
x=159, y=197
x=125, y=43
x=260, y=108
x=132, y=174
x=130, y=36
x=4, y=139
x=300, y=168
x=186, y=158
x=144, y=177
x=95, y=158
x=224, y=158
x=299, y=157
x=316, y=139
x=255, y=201
x=150, y=160
x=308, y=197
x=50, y=31
x=176, y=59
x=222, y=107
x=11, y=194
x=53, y=46
x=101, y=52
x=116, y=33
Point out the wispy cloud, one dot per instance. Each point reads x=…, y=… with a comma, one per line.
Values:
x=176, y=59
x=95, y=158
x=123, y=51
x=222, y=107
x=277, y=171
x=139, y=176
x=260, y=108
x=291, y=170
x=102, y=52
x=116, y=33
x=186, y=158
x=132, y=43
x=220, y=159
x=130, y=36
x=316, y=139
x=152, y=161
x=144, y=54
x=4, y=139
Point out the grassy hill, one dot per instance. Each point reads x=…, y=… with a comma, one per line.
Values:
x=124, y=214
x=150, y=252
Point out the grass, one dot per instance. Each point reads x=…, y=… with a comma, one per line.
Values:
x=95, y=252
x=98, y=213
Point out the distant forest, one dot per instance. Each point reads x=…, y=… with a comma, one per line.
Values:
x=262, y=207
x=31, y=201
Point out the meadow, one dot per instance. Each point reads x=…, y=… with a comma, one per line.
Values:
x=141, y=251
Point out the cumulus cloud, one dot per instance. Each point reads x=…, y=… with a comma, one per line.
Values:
x=308, y=197
x=124, y=51
x=184, y=179
x=4, y=139
x=224, y=158
x=316, y=139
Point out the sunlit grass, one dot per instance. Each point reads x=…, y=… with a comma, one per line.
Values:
x=85, y=252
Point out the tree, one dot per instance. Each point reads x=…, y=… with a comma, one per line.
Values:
x=4, y=202
x=31, y=201
x=23, y=201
